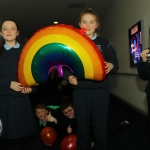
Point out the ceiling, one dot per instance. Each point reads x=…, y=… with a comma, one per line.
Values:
x=32, y=15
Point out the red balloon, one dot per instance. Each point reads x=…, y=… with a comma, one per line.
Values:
x=69, y=142
x=48, y=135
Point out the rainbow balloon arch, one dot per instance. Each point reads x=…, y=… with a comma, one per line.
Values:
x=58, y=46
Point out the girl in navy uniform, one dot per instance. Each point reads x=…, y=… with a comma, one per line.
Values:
x=91, y=98
x=16, y=116
x=143, y=69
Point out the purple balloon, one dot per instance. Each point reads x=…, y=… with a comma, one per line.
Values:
x=60, y=71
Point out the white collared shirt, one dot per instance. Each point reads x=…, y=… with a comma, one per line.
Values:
x=94, y=37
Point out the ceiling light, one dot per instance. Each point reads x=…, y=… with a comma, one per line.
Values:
x=55, y=22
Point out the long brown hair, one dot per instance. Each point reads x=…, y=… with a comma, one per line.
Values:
x=92, y=12
x=2, y=41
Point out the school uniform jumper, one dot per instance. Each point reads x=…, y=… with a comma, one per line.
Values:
x=144, y=73
x=91, y=99
x=16, y=116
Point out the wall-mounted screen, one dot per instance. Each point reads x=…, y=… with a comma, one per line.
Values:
x=136, y=42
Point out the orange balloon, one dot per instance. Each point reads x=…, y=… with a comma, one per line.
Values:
x=69, y=142
x=48, y=135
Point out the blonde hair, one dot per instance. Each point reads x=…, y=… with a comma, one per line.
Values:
x=92, y=12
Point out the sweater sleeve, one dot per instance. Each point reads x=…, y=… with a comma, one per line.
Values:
x=34, y=88
x=4, y=83
x=66, y=73
x=143, y=70
x=112, y=58
x=63, y=123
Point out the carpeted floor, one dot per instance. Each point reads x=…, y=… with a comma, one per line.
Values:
x=135, y=137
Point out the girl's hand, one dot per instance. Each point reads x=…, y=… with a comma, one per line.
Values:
x=69, y=129
x=144, y=55
x=108, y=67
x=16, y=86
x=27, y=90
x=73, y=80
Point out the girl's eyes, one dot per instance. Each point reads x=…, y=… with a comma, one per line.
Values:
x=90, y=22
x=10, y=29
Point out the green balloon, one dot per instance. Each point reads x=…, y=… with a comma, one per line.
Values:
x=64, y=83
x=59, y=87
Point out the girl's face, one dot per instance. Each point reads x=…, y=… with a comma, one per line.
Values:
x=9, y=31
x=89, y=22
